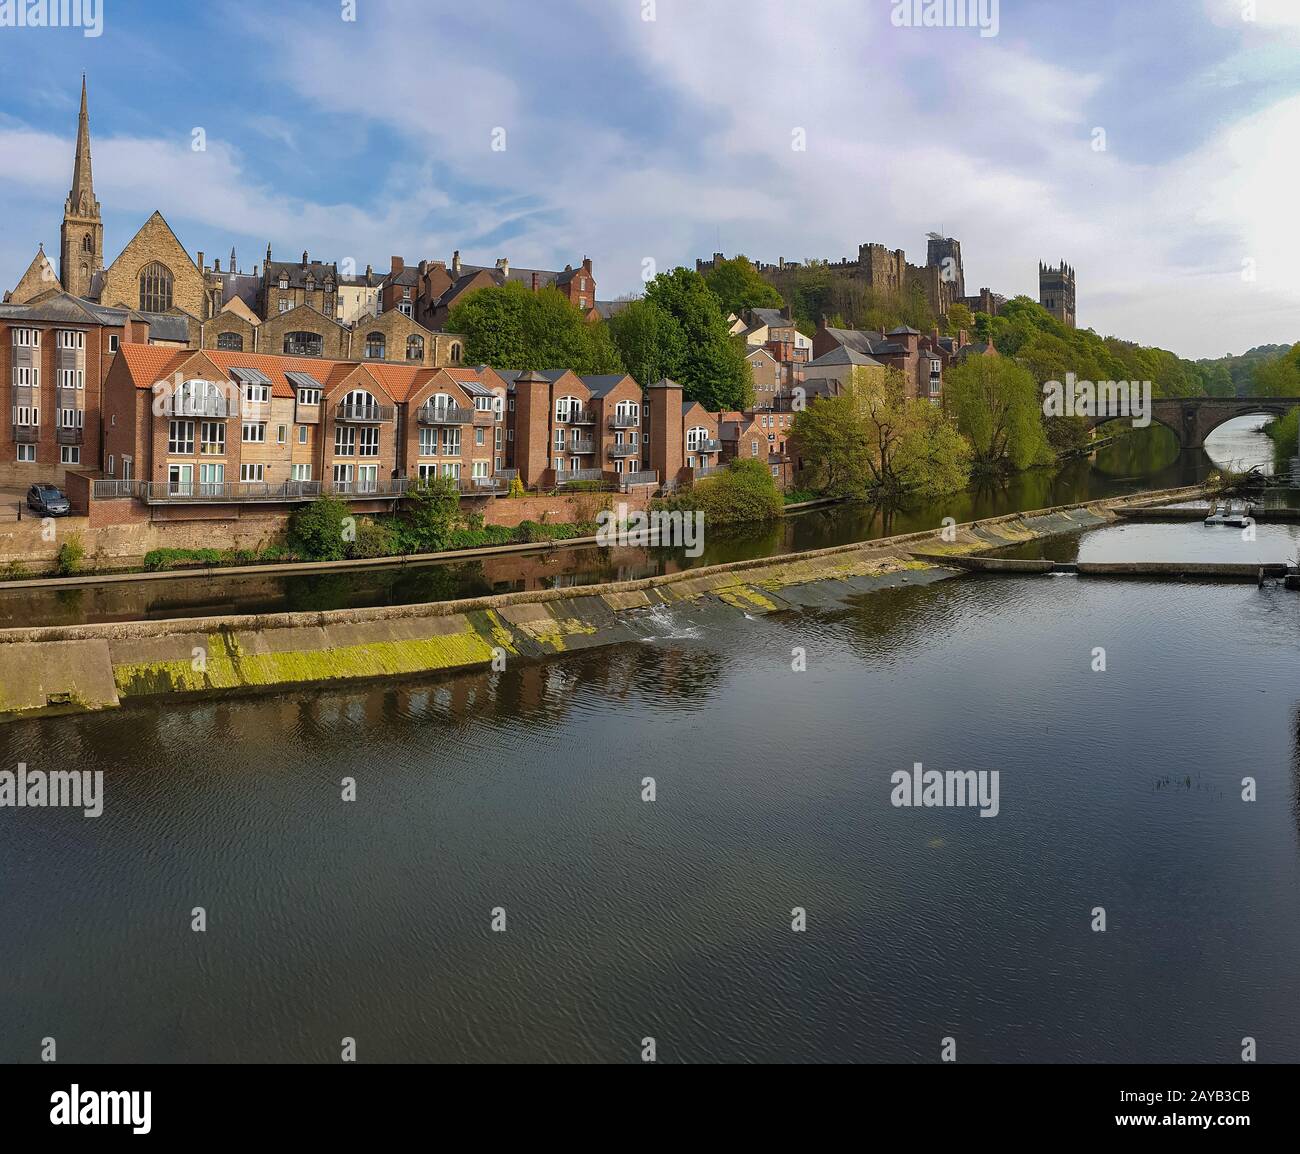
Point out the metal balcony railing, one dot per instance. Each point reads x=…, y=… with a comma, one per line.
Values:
x=577, y=417
x=445, y=415
x=105, y=490
x=645, y=477
x=232, y=492
x=620, y=451
x=580, y=447
x=214, y=405
x=571, y=476
x=708, y=446
x=365, y=414
x=624, y=421
x=27, y=434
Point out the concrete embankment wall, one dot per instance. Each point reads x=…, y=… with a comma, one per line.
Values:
x=89, y=667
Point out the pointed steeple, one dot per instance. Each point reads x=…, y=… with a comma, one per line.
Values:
x=81, y=200
x=232, y=259
x=81, y=248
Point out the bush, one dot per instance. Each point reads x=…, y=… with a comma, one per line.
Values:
x=316, y=530
x=743, y=492
x=71, y=554
x=156, y=560
x=13, y=571
x=431, y=515
x=1285, y=434
x=372, y=540
x=517, y=488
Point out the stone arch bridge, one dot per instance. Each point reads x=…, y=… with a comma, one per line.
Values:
x=1192, y=419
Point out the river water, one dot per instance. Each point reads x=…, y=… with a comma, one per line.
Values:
x=1146, y=459
x=522, y=792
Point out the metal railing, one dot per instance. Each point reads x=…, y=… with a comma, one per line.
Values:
x=479, y=485
x=709, y=446
x=201, y=406
x=193, y=492
x=624, y=421
x=571, y=476
x=706, y=471
x=69, y=436
x=365, y=414
x=577, y=417
x=105, y=490
x=581, y=447
x=620, y=451
x=645, y=477
x=27, y=434
x=445, y=415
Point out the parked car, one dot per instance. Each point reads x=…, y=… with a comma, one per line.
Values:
x=48, y=500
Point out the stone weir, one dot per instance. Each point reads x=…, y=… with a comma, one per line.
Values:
x=81, y=668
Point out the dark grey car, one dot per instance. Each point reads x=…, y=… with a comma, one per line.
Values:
x=48, y=500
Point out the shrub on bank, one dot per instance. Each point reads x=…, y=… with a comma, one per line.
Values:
x=743, y=492
x=1285, y=434
x=317, y=531
x=70, y=556
x=373, y=539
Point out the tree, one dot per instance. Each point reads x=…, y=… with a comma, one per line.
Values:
x=960, y=317
x=877, y=440
x=999, y=408
x=743, y=493
x=511, y=327
x=1279, y=377
x=711, y=365
x=318, y=531
x=430, y=516
x=738, y=286
x=649, y=340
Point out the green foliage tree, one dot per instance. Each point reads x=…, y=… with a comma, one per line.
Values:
x=511, y=327
x=877, y=440
x=1278, y=376
x=710, y=364
x=998, y=404
x=738, y=286
x=318, y=532
x=649, y=340
x=960, y=317
x=744, y=492
x=430, y=516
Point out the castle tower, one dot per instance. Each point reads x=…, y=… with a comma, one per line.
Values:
x=81, y=247
x=944, y=253
x=1056, y=292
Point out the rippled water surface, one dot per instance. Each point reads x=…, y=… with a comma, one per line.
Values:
x=627, y=919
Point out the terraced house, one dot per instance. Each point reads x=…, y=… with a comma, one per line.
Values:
x=213, y=429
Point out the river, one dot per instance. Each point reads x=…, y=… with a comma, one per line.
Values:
x=522, y=792
x=1145, y=459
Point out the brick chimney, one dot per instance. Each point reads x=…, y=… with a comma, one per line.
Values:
x=397, y=265
x=535, y=280
x=304, y=258
x=200, y=260
x=455, y=263
x=586, y=263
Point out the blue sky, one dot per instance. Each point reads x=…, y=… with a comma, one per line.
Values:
x=629, y=139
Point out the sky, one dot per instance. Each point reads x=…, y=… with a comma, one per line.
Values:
x=1151, y=144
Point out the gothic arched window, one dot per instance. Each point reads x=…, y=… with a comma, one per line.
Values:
x=415, y=348
x=87, y=245
x=155, y=288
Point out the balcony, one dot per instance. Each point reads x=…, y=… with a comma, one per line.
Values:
x=624, y=421
x=306, y=414
x=580, y=447
x=263, y=492
x=709, y=446
x=706, y=471
x=445, y=415
x=618, y=452
x=104, y=490
x=27, y=434
x=645, y=477
x=573, y=476
x=64, y=436
x=482, y=486
x=211, y=405
x=365, y=414
x=577, y=417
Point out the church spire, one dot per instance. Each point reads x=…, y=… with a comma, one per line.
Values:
x=81, y=200
x=81, y=248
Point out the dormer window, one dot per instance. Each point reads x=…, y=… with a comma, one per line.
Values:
x=284, y=282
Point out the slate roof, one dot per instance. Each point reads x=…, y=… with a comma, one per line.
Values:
x=860, y=339
x=297, y=274
x=61, y=307
x=843, y=355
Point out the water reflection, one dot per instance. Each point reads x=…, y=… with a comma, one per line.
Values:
x=1141, y=459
